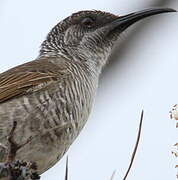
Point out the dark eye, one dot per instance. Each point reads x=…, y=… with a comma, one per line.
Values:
x=88, y=22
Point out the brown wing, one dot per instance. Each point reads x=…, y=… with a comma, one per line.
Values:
x=27, y=78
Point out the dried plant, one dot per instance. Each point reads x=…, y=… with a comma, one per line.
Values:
x=174, y=115
x=132, y=157
x=17, y=169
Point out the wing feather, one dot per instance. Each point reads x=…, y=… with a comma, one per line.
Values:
x=27, y=78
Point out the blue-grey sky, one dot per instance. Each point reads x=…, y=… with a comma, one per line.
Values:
x=144, y=76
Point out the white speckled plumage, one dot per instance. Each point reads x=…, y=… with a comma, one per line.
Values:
x=53, y=116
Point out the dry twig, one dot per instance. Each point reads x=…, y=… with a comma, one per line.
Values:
x=16, y=169
x=136, y=146
x=66, y=171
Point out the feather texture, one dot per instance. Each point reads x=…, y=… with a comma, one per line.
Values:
x=27, y=78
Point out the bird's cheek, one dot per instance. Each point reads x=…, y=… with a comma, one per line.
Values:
x=72, y=37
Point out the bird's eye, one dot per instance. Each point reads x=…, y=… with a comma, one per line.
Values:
x=88, y=22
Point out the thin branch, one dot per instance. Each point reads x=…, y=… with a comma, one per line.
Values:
x=13, y=169
x=136, y=146
x=66, y=172
x=113, y=175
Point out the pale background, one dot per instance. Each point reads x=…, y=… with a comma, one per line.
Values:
x=142, y=75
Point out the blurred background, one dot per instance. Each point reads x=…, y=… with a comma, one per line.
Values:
x=142, y=74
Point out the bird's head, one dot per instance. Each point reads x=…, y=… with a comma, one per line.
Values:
x=88, y=36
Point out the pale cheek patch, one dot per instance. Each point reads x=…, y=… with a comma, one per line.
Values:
x=73, y=36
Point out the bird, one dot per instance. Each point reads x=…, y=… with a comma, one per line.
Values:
x=50, y=98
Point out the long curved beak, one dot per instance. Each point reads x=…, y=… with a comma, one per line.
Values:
x=123, y=22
